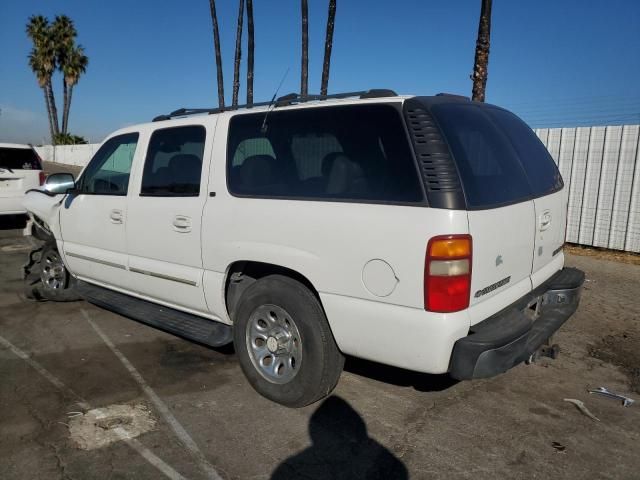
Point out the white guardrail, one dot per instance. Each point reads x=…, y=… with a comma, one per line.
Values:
x=600, y=167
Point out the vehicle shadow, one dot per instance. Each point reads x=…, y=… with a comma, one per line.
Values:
x=422, y=382
x=341, y=449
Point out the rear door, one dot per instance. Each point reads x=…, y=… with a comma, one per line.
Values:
x=165, y=217
x=550, y=199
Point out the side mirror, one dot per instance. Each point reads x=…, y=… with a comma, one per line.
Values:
x=59, y=183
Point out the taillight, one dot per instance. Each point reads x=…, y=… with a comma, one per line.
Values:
x=43, y=177
x=447, y=273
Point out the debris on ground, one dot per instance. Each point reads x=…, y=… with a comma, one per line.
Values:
x=559, y=447
x=582, y=407
x=102, y=426
x=626, y=401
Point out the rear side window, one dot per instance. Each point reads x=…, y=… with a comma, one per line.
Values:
x=19, y=159
x=542, y=172
x=489, y=167
x=357, y=153
x=173, y=167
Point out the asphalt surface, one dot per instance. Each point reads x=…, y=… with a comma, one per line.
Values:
x=59, y=361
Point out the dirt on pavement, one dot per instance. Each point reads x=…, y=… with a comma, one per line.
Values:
x=380, y=422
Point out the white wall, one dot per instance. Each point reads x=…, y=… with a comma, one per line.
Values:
x=601, y=169
x=68, y=154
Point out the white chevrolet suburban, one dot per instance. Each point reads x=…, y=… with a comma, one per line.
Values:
x=420, y=232
x=20, y=170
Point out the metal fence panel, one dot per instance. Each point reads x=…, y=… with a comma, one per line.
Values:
x=600, y=167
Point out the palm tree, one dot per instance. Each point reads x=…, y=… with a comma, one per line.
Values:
x=64, y=33
x=304, y=80
x=42, y=61
x=238, y=56
x=75, y=66
x=481, y=61
x=250, y=48
x=216, y=42
x=328, y=44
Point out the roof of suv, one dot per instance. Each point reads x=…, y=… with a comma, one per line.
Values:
x=14, y=145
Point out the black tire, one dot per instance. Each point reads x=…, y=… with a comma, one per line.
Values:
x=37, y=289
x=321, y=364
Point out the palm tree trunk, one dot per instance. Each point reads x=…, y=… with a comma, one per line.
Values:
x=481, y=61
x=328, y=45
x=54, y=110
x=250, y=48
x=304, y=80
x=46, y=101
x=68, y=109
x=238, y=56
x=216, y=42
x=65, y=105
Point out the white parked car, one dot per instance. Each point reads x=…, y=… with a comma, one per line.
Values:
x=20, y=170
x=420, y=232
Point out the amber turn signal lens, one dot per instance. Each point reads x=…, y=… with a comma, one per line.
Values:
x=450, y=248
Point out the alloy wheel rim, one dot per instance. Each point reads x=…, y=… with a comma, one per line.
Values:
x=274, y=344
x=53, y=272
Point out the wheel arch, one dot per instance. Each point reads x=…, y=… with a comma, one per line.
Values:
x=242, y=273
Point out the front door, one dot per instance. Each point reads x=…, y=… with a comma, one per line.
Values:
x=164, y=218
x=93, y=220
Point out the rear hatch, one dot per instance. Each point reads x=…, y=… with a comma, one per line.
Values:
x=514, y=198
x=20, y=170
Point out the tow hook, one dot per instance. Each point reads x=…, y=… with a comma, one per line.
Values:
x=549, y=351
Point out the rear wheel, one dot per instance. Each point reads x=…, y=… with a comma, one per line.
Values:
x=47, y=277
x=284, y=343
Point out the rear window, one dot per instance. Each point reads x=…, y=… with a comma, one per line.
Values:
x=358, y=153
x=500, y=159
x=19, y=159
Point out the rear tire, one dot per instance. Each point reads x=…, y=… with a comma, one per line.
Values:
x=47, y=278
x=284, y=343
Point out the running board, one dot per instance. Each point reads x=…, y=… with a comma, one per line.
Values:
x=186, y=325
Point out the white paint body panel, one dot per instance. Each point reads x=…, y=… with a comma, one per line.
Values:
x=14, y=184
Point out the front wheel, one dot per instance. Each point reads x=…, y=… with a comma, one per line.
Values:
x=284, y=343
x=47, y=277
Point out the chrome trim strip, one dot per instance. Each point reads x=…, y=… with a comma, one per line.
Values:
x=164, y=277
x=95, y=260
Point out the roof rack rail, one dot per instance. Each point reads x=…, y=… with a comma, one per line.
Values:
x=282, y=101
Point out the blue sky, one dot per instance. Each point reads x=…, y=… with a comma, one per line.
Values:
x=555, y=62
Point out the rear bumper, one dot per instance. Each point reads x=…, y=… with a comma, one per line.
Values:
x=12, y=204
x=508, y=338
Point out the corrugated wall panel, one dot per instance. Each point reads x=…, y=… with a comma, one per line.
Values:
x=632, y=241
x=623, y=186
x=606, y=188
x=591, y=185
x=576, y=183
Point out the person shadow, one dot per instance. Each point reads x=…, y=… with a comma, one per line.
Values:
x=341, y=449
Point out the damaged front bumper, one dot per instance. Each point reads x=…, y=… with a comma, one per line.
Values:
x=512, y=336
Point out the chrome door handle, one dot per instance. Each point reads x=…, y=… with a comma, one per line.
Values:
x=181, y=224
x=115, y=216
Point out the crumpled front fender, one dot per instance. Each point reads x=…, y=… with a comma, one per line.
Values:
x=46, y=208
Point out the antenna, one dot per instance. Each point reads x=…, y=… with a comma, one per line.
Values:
x=263, y=128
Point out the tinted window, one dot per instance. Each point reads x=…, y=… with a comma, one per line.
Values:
x=541, y=170
x=334, y=153
x=173, y=166
x=488, y=164
x=19, y=159
x=109, y=169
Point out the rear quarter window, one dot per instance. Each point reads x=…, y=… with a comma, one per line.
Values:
x=341, y=153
